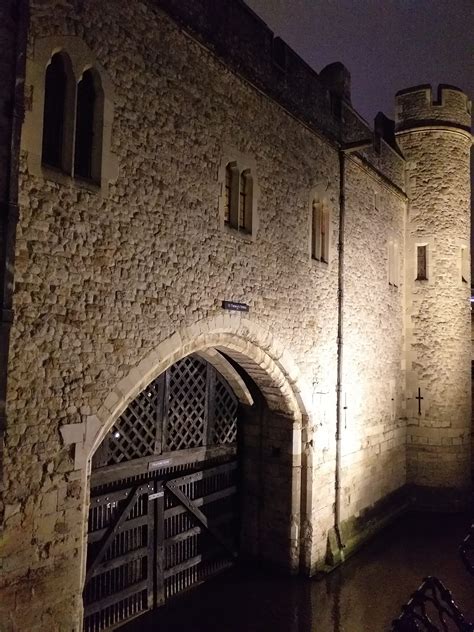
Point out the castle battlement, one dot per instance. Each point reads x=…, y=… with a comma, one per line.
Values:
x=417, y=107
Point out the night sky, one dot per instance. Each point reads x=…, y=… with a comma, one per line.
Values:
x=387, y=45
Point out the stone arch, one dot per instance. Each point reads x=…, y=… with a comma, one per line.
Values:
x=249, y=344
x=257, y=351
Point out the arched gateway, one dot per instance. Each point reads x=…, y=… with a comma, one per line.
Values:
x=187, y=479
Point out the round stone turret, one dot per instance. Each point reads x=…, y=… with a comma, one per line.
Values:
x=434, y=137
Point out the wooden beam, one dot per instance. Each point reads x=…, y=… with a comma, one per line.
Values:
x=112, y=532
x=200, y=517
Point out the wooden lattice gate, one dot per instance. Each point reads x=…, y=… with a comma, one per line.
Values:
x=163, y=508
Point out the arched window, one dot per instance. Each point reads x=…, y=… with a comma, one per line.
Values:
x=88, y=138
x=71, y=122
x=54, y=114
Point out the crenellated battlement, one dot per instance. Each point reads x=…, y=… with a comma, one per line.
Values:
x=417, y=107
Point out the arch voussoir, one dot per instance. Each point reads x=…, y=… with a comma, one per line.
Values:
x=248, y=343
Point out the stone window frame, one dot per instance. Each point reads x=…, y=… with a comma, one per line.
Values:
x=422, y=240
x=425, y=274
x=319, y=195
x=81, y=59
x=235, y=165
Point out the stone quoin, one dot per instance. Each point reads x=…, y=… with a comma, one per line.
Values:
x=177, y=183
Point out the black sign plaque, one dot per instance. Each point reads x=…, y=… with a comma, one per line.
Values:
x=234, y=306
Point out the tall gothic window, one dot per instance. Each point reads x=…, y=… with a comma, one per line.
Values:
x=88, y=128
x=86, y=99
x=54, y=112
x=72, y=113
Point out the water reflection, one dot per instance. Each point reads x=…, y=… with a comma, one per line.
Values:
x=363, y=595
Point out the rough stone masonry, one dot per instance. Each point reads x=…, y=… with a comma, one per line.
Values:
x=117, y=278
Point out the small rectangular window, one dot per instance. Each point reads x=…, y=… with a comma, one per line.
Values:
x=421, y=263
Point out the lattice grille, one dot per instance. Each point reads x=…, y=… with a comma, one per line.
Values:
x=186, y=426
x=134, y=434
x=225, y=423
x=191, y=382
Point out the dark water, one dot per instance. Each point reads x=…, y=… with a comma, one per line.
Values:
x=363, y=595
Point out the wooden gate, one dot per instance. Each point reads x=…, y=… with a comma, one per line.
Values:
x=163, y=508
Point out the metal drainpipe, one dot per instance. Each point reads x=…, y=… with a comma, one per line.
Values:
x=340, y=305
x=340, y=314
x=9, y=208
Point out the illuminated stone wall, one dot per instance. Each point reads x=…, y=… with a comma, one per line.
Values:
x=434, y=135
x=373, y=437
x=114, y=284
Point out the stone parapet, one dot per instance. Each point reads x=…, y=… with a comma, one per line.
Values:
x=417, y=107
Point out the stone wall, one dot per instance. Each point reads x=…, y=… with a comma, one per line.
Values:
x=373, y=343
x=115, y=283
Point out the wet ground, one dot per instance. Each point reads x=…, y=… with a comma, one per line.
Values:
x=363, y=595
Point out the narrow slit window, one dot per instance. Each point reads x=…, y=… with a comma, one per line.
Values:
x=393, y=264
x=243, y=202
x=315, y=229
x=421, y=263
x=323, y=236
x=231, y=190
x=85, y=127
x=319, y=232
x=396, y=263
x=245, y=206
x=228, y=193
x=464, y=265
x=54, y=112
